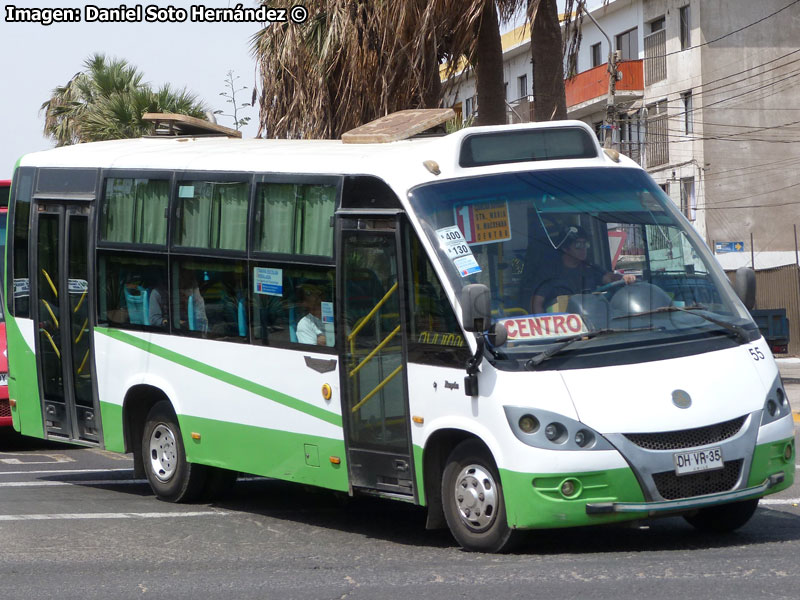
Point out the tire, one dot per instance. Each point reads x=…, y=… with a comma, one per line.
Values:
x=723, y=518
x=473, y=501
x=171, y=477
x=218, y=483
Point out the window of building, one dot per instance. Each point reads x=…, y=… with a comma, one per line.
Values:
x=657, y=24
x=295, y=218
x=688, y=117
x=505, y=91
x=685, y=27
x=597, y=57
x=688, y=202
x=467, y=108
x=134, y=211
x=598, y=130
x=212, y=214
x=628, y=44
x=522, y=86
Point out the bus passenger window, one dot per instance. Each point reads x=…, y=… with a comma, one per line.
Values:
x=134, y=211
x=209, y=299
x=293, y=306
x=129, y=285
x=212, y=214
x=295, y=218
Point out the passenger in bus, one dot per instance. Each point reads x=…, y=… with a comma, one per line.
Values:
x=158, y=310
x=572, y=274
x=310, y=329
x=191, y=305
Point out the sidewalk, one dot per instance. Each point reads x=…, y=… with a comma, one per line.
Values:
x=790, y=373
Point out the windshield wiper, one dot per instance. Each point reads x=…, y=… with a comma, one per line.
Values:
x=737, y=330
x=552, y=351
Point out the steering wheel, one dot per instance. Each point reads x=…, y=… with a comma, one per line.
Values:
x=613, y=285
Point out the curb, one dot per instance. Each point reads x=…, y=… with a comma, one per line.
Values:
x=790, y=379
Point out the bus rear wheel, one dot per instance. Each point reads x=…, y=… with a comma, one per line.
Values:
x=473, y=501
x=172, y=478
x=723, y=518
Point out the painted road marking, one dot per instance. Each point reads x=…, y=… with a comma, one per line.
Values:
x=21, y=484
x=780, y=501
x=65, y=471
x=54, y=458
x=129, y=515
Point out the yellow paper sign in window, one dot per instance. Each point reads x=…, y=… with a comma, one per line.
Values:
x=484, y=223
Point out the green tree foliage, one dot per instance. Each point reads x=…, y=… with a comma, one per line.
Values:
x=106, y=100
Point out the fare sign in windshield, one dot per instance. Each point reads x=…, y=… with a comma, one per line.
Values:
x=537, y=327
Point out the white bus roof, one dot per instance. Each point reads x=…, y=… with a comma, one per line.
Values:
x=399, y=163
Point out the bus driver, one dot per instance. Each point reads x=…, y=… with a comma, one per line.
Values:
x=572, y=274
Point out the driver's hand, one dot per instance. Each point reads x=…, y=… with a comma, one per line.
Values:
x=629, y=278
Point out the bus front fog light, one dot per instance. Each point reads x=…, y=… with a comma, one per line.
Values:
x=584, y=438
x=556, y=433
x=528, y=424
x=788, y=452
x=570, y=488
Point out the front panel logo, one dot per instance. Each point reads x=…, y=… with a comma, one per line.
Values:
x=681, y=399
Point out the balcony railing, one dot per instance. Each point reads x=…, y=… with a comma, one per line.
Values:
x=593, y=84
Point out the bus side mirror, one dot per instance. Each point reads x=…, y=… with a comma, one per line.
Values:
x=476, y=307
x=745, y=286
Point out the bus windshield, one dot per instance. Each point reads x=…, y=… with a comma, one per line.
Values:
x=571, y=252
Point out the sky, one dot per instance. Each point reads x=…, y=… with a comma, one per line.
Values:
x=36, y=58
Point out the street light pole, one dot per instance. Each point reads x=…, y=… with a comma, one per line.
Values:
x=611, y=105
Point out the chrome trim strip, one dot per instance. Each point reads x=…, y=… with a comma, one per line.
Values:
x=684, y=503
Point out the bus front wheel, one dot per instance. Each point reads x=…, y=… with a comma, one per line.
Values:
x=473, y=502
x=172, y=478
x=723, y=518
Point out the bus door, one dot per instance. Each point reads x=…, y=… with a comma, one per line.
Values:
x=63, y=296
x=373, y=342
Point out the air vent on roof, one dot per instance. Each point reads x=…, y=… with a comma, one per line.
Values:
x=172, y=124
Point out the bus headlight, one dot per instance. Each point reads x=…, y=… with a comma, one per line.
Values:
x=551, y=431
x=776, y=406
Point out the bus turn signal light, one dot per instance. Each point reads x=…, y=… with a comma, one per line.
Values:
x=335, y=460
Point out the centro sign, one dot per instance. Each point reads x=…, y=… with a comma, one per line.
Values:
x=535, y=327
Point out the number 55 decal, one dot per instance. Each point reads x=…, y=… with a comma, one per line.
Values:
x=756, y=354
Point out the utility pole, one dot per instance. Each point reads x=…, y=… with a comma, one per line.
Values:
x=611, y=106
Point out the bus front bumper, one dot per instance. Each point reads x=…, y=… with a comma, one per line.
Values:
x=665, y=506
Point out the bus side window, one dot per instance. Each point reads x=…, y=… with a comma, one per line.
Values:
x=128, y=286
x=435, y=335
x=292, y=306
x=209, y=299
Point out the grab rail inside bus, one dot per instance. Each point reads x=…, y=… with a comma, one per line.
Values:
x=351, y=339
x=52, y=342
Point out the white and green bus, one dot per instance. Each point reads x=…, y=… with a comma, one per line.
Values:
x=398, y=319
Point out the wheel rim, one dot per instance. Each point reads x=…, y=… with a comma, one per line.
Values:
x=163, y=452
x=476, y=497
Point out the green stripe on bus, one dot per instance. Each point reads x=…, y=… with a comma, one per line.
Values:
x=225, y=377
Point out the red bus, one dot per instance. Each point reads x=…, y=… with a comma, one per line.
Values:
x=5, y=409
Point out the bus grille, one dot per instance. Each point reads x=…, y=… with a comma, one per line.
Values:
x=688, y=438
x=5, y=408
x=673, y=487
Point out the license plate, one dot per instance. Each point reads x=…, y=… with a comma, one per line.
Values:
x=698, y=460
x=3, y=378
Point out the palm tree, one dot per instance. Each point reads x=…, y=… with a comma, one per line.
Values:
x=107, y=100
x=351, y=62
